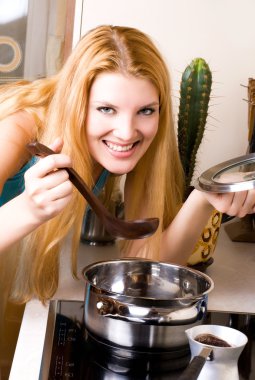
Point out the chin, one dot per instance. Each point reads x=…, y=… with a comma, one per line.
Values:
x=120, y=171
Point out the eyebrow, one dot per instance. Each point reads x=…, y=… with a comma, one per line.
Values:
x=108, y=104
x=151, y=104
x=103, y=102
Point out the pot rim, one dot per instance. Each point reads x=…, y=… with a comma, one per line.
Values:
x=129, y=297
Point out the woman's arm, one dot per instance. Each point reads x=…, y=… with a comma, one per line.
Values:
x=47, y=192
x=15, y=132
x=179, y=239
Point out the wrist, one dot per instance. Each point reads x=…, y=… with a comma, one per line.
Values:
x=31, y=220
x=17, y=221
x=198, y=198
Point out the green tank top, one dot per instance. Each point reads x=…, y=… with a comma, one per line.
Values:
x=15, y=185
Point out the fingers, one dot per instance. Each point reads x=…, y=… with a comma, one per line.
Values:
x=37, y=185
x=48, y=203
x=243, y=203
x=248, y=206
x=47, y=187
x=238, y=204
x=48, y=164
x=57, y=145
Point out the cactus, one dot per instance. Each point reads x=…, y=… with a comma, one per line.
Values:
x=195, y=92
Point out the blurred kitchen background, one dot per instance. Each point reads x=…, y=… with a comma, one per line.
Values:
x=36, y=37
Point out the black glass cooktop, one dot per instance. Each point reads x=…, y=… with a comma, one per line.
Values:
x=70, y=352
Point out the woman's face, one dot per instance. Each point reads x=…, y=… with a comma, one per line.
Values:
x=122, y=120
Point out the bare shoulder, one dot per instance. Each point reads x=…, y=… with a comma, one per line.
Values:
x=15, y=132
x=20, y=121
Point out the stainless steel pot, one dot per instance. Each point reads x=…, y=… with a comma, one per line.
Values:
x=137, y=303
x=93, y=231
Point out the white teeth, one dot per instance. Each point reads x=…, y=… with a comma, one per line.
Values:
x=119, y=148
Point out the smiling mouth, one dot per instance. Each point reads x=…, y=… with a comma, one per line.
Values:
x=119, y=148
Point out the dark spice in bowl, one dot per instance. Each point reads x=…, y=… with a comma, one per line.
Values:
x=211, y=340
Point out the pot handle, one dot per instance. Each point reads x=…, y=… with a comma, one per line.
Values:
x=106, y=306
x=114, y=309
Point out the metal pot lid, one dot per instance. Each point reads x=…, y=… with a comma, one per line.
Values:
x=237, y=174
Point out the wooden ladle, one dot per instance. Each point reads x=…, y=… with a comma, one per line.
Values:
x=125, y=229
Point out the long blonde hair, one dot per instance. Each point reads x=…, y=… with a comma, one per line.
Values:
x=59, y=106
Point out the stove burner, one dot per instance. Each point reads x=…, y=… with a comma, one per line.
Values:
x=136, y=352
x=122, y=360
x=77, y=354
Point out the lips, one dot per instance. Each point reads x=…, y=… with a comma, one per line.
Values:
x=119, y=148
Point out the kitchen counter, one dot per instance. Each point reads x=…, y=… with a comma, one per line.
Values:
x=233, y=273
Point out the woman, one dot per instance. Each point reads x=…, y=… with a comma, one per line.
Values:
x=108, y=108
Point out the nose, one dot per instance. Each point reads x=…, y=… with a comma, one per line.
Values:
x=125, y=128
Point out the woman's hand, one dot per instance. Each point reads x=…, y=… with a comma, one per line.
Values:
x=238, y=204
x=180, y=237
x=47, y=192
x=47, y=187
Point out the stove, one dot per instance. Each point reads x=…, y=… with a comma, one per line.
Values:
x=71, y=352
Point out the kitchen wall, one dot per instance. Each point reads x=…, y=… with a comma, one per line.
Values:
x=220, y=31
x=13, y=27
x=32, y=38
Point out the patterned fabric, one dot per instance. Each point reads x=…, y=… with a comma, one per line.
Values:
x=205, y=246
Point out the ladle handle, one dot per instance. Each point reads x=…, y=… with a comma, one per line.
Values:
x=39, y=149
x=132, y=229
x=195, y=366
x=193, y=370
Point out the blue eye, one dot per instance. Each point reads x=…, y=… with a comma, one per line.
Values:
x=147, y=111
x=105, y=110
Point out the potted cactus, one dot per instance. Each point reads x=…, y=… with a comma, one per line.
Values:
x=195, y=90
